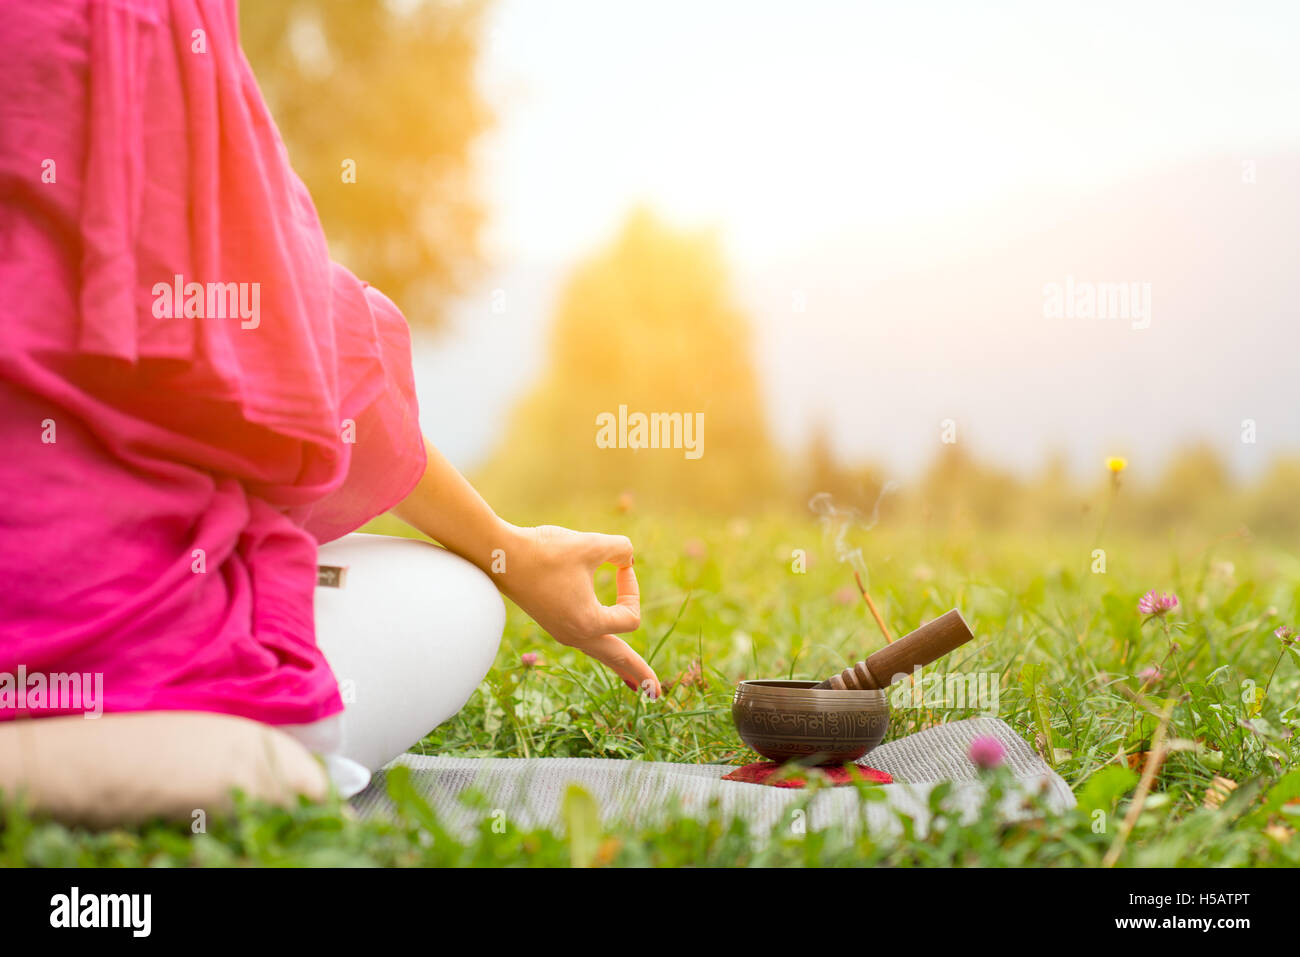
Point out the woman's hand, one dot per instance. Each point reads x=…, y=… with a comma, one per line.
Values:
x=548, y=572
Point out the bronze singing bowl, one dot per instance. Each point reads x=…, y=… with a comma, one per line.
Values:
x=792, y=720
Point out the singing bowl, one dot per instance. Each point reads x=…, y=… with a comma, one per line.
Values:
x=792, y=720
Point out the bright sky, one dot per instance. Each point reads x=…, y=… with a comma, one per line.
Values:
x=784, y=123
x=824, y=139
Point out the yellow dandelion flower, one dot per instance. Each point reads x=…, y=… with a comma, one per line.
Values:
x=1116, y=464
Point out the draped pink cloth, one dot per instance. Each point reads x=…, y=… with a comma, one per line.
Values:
x=165, y=479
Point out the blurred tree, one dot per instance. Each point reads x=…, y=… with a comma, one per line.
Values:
x=958, y=488
x=1050, y=498
x=1195, y=487
x=647, y=324
x=1274, y=502
x=378, y=107
x=852, y=486
x=1196, y=472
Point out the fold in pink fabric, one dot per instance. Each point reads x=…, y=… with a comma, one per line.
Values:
x=169, y=463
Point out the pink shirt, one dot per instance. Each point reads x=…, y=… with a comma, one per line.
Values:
x=166, y=473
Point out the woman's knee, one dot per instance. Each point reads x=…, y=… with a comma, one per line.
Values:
x=474, y=627
x=410, y=634
x=411, y=590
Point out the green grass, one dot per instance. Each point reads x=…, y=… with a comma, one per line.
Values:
x=1063, y=644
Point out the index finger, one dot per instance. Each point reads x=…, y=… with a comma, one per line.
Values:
x=618, y=656
x=615, y=549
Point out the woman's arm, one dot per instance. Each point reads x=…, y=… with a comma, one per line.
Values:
x=547, y=571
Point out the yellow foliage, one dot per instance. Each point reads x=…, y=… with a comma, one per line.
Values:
x=647, y=327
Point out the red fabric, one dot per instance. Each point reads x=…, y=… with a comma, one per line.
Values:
x=761, y=772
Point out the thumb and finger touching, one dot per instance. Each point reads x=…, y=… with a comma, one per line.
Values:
x=621, y=617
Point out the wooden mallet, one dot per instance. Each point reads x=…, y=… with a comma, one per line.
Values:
x=931, y=641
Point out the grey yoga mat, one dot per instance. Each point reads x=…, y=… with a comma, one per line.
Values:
x=529, y=791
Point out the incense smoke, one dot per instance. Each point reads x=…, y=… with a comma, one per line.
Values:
x=837, y=521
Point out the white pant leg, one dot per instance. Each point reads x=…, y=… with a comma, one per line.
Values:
x=410, y=635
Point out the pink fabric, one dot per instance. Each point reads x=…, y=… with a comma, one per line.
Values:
x=765, y=772
x=175, y=437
